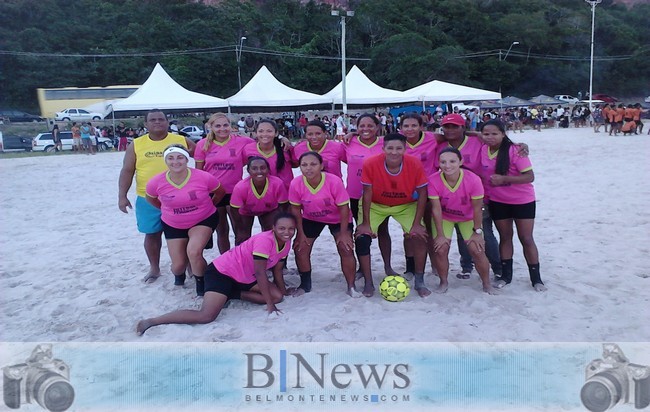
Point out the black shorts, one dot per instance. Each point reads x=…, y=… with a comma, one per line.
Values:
x=225, y=201
x=175, y=233
x=354, y=209
x=216, y=281
x=313, y=229
x=501, y=211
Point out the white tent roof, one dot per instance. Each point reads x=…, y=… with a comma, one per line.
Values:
x=438, y=91
x=160, y=91
x=360, y=90
x=264, y=90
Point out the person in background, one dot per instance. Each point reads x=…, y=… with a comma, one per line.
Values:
x=76, y=137
x=56, y=137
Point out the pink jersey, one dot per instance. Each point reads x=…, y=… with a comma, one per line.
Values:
x=184, y=205
x=333, y=154
x=355, y=153
x=285, y=174
x=471, y=151
x=456, y=201
x=512, y=194
x=425, y=149
x=239, y=262
x=224, y=160
x=250, y=203
x=320, y=204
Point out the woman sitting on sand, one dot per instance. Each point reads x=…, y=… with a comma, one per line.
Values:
x=188, y=214
x=507, y=179
x=240, y=273
x=456, y=196
x=258, y=195
x=319, y=199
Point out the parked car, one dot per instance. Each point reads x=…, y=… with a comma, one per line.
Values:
x=605, y=97
x=18, y=116
x=195, y=133
x=77, y=115
x=44, y=143
x=9, y=143
x=567, y=98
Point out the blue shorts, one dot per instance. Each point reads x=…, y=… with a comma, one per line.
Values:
x=147, y=216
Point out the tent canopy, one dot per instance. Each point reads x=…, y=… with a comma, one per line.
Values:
x=439, y=91
x=509, y=101
x=264, y=91
x=361, y=91
x=544, y=99
x=160, y=91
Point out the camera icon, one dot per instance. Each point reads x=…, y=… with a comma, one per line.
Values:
x=613, y=380
x=40, y=379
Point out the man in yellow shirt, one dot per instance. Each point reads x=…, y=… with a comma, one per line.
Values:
x=144, y=159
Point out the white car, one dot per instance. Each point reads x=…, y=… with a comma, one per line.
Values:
x=77, y=115
x=567, y=98
x=43, y=142
x=194, y=132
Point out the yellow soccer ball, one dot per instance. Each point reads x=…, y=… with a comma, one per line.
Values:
x=394, y=288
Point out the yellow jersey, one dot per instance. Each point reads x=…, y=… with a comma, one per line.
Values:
x=149, y=158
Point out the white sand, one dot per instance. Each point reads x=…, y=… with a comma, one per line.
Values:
x=71, y=264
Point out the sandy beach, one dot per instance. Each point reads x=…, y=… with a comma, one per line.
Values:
x=71, y=263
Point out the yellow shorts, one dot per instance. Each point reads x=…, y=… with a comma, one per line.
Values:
x=404, y=214
x=466, y=228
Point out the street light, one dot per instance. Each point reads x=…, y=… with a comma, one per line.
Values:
x=593, y=4
x=348, y=13
x=514, y=43
x=238, y=53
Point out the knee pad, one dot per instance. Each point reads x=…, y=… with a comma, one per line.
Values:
x=362, y=244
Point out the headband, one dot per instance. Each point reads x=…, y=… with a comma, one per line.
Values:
x=175, y=149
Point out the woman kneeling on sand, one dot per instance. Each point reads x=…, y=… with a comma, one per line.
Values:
x=240, y=273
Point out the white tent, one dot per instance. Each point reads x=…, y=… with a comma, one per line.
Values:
x=160, y=91
x=438, y=91
x=360, y=90
x=265, y=91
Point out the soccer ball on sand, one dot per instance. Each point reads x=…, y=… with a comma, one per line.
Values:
x=394, y=288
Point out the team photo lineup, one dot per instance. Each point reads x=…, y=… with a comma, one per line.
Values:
x=432, y=184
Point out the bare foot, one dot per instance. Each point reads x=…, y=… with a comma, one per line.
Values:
x=540, y=287
x=352, y=292
x=407, y=275
x=390, y=272
x=142, y=326
x=295, y=292
x=490, y=290
x=423, y=291
x=442, y=287
x=151, y=277
x=368, y=290
x=358, y=275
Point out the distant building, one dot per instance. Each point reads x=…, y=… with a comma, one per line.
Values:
x=57, y=99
